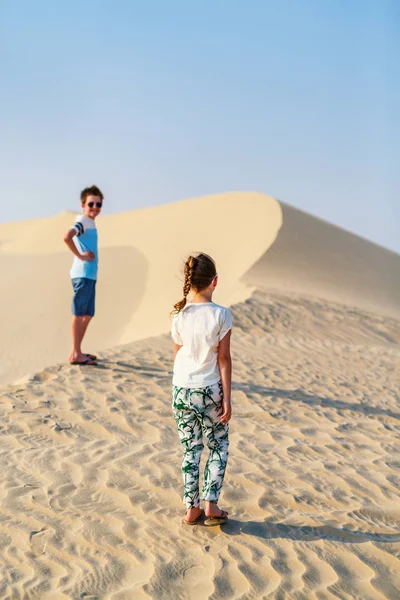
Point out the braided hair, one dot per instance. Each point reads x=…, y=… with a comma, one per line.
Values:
x=199, y=272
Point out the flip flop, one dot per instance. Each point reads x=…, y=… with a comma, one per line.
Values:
x=191, y=523
x=91, y=356
x=212, y=521
x=82, y=363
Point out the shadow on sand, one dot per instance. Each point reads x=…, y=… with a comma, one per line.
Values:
x=267, y=530
x=299, y=396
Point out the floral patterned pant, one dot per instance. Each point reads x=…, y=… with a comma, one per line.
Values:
x=197, y=412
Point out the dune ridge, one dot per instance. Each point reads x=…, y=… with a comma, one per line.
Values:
x=318, y=259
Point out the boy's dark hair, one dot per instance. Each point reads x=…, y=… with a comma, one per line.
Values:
x=199, y=272
x=91, y=191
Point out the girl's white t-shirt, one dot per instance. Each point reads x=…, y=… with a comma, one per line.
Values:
x=199, y=328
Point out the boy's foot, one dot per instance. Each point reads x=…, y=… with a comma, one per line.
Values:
x=87, y=361
x=193, y=515
x=81, y=359
x=91, y=356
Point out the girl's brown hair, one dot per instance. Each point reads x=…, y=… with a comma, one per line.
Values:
x=199, y=272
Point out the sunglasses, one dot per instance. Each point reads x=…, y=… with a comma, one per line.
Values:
x=98, y=204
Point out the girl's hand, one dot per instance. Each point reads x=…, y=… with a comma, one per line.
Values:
x=227, y=408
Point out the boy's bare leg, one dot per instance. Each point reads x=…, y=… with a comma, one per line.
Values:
x=78, y=330
x=86, y=321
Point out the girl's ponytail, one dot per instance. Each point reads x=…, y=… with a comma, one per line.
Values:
x=190, y=265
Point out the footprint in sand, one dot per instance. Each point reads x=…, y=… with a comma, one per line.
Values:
x=42, y=376
x=38, y=540
x=193, y=574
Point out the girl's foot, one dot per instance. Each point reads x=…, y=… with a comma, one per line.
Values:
x=193, y=515
x=215, y=515
x=212, y=510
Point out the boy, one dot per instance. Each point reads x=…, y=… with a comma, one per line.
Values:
x=81, y=239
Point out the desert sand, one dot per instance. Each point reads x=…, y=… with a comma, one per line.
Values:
x=90, y=482
x=140, y=261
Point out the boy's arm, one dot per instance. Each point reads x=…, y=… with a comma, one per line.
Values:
x=71, y=233
x=225, y=368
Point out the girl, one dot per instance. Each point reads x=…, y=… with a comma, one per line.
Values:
x=201, y=331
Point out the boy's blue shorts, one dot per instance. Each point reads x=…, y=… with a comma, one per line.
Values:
x=83, y=302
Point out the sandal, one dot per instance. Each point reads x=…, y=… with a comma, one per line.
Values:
x=220, y=520
x=88, y=361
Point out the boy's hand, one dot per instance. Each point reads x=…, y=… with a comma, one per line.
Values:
x=227, y=408
x=87, y=256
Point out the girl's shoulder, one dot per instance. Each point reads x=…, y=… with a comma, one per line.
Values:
x=222, y=313
x=218, y=310
x=221, y=308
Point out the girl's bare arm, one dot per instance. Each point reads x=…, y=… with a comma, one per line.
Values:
x=177, y=347
x=225, y=368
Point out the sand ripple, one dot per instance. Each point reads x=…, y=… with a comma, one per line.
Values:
x=90, y=484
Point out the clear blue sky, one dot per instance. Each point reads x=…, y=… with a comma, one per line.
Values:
x=156, y=101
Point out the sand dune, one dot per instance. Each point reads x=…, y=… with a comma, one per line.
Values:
x=141, y=254
x=315, y=258
x=90, y=484
x=140, y=263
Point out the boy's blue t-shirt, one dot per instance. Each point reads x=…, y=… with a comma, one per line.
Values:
x=85, y=240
